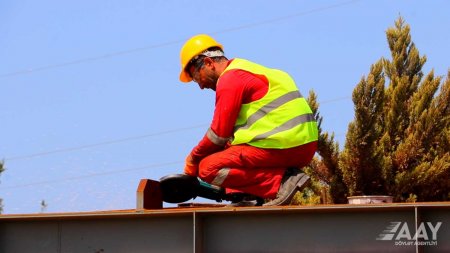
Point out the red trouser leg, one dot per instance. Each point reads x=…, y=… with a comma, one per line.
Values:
x=253, y=170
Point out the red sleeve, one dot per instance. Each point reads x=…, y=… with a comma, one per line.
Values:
x=234, y=88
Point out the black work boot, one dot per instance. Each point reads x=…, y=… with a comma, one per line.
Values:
x=293, y=180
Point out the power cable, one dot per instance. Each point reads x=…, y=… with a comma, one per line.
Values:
x=89, y=59
x=130, y=51
x=335, y=100
x=132, y=138
x=169, y=43
x=113, y=171
x=270, y=21
x=105, y=173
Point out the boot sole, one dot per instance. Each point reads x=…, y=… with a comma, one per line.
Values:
x=303, y=182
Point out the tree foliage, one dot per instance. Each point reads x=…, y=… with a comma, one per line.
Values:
x=361, y=160
x=326, y=176
x=398, y=143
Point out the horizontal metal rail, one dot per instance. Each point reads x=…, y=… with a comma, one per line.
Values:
x=336, y=228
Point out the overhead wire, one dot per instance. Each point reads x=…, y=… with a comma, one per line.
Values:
x=92, y=145
x=169, y=43
x=111, y=172
x=134, y=50
x=130, y=51
x=105, y=173
x=126, y=139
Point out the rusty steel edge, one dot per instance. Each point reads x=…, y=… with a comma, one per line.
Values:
x=188, y=211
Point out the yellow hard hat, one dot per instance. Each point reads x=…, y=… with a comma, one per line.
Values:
x=193, y=47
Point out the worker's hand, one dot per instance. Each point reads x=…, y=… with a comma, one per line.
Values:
x=190, y=168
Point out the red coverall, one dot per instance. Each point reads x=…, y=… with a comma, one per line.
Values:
x=253, y=170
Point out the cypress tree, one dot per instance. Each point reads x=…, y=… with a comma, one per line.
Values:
x=422, y=160
x=398, y=143
x=326, y=176
x=361, y=159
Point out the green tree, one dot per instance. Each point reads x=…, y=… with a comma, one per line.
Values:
x=361, y=160
x=326, y=177
x=422, y=160
x=398, y=143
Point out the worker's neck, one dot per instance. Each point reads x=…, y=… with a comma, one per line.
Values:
x=221, y=66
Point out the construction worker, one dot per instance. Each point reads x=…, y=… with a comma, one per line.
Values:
x=262, y=131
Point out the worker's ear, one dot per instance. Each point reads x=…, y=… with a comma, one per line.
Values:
x=209, y=62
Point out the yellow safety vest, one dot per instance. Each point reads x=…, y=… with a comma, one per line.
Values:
x=281, y=119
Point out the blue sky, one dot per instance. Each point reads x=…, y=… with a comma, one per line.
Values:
x=91, y=100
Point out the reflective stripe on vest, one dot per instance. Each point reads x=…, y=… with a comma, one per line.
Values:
x=280, y=119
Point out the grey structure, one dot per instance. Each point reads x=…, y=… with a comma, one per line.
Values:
x=337, y=228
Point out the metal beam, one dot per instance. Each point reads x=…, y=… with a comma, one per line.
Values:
x=341, y=228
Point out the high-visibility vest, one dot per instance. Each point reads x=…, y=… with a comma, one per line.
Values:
x=281, y=119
